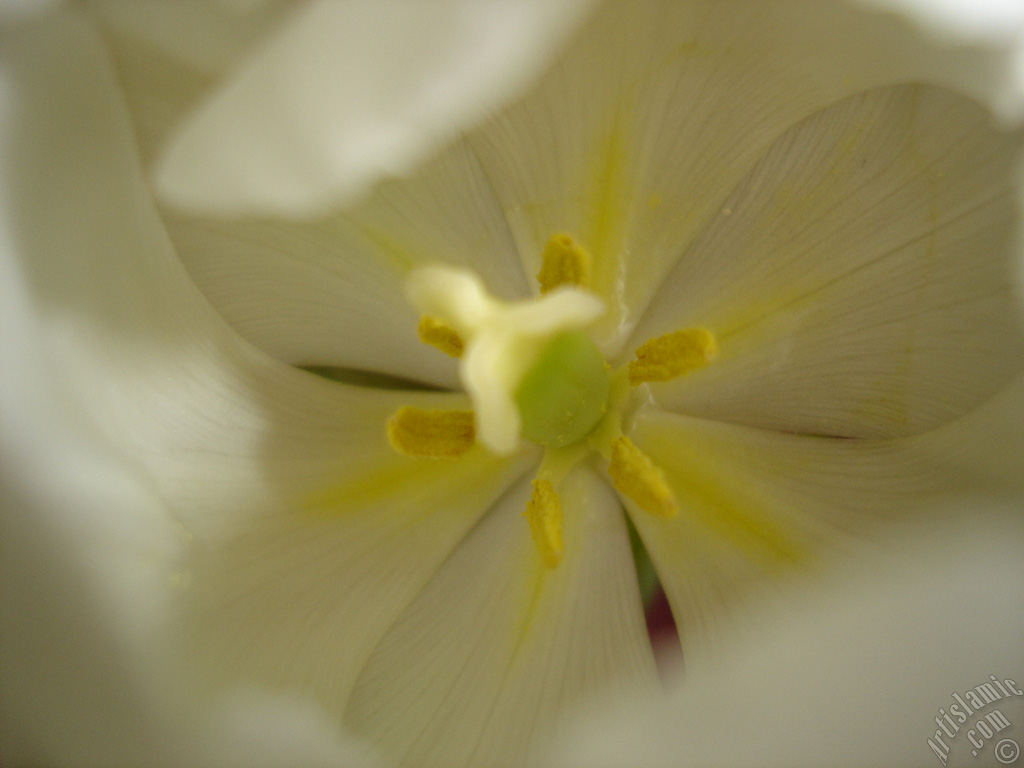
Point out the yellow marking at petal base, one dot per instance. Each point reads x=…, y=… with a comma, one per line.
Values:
x=637, y=478
x=671, y=355
x=722, y=499
x=401, y=483
x=384, y=245
x=564, y=262
x=544, y=514
x=610, y=196
x=438, y=334
x=431, y=434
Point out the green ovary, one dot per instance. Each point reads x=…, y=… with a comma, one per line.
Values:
x=565, y=393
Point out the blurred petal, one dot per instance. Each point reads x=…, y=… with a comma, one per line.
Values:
x=352, y=92
x=87, y=561
x=998, y=25
x=754, y=503
x=87, y=552
x=17, y=10
x=962, y=18
x=993, y=26
x=90, y=544
x=851, y=672
x=250, y=728
x=203, y=36
x=195, y=434
x=860, y=281
x=169, y=55
x=88, y=558
x=480, y=669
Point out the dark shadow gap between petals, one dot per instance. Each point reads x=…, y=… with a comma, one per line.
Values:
x=359, y=377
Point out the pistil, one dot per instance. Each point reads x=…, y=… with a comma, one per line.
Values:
x=565, y=392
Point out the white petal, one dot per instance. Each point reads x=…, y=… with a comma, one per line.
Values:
x=297, y=598
x=860, y=281
x=249, y=728
x=989, y=32
x=135, y=423
x=851, y=672
x=987, y=21
x=481, y=668
x=87, y=552
x=290, y=288
x=659, y=109
x=632, y=142
x=352, y=92
x=169, y=55
x=201, y=36
x=755, y=504
x=88, y=556
x=17, y=10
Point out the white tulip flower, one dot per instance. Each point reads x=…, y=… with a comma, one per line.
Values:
x=776, y=311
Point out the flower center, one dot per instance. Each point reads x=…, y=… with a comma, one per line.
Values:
x=565, y=392
x=532, y=371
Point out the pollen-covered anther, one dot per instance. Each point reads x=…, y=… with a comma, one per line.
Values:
x=674, y=354
x=432, y=434
x=544, y=514
x=438, y=334
x=564, y=262
x=637, y=478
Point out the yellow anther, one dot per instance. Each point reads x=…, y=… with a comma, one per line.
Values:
x=671, y=355
x=564, y=262
x=544, y=514
x=431, y=434
x=438, y=334
x=637, y=478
